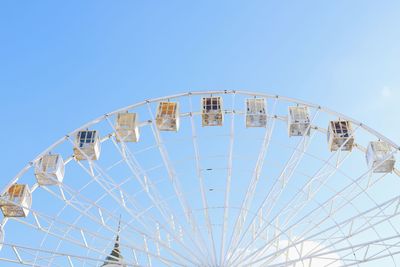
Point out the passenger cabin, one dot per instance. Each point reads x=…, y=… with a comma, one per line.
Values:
x=298, y=121
x=167, y=118
x=49, y=170
x=126, y=127
x=379, y=157
x=340, y=135
x=16, y=201
x=87, y=145
x=256, y=112
x=212, y=111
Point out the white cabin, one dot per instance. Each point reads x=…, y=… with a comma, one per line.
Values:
x=126, y=127
x=379, y=157
x=87, y=145
x=256, y=112
x=212, y=114
x=340, y=134
x=49, y=170
x=298, y=121
x=167, y=118
x=16, y=201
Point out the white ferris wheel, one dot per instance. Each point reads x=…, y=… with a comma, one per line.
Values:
x=212, y=178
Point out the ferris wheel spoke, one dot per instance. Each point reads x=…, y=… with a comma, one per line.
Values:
x=50, y=255
x=228, y=181
x=337, y=213
x=251, y=189
x=364, y=220
x=284, y=178
x=329, y=168
x=287, y=172
x=326, y=206
x=106, y=182
x=279, y=184
x=188, y=213
x=303, y=196
x=146, y=184
x=352, y=188
x=24, y=260
x=129, y=225
x=137, y=171
x=73, y=241
x=201, y=183
x=390, y=249
x=368, y=221
x=109, y=186
x=85, y=234
x=136, y=215
x=368, y=251
x=86, y=209
x=354, y=250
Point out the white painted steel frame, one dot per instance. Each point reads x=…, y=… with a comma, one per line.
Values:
x=226, y=258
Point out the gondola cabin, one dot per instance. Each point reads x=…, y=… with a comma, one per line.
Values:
x=298, y=121
x=49, y=170
x=212, y=114
x=87, y=145
x=256, y=112
x=16, y=201
x=127, y=129
x=167, y=118
x=340, y=135
x=379, y=157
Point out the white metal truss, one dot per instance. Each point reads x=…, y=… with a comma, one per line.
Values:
x=252, y=186
x=289, y=201
x=200, y=176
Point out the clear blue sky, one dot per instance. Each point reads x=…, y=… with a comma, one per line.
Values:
x=63, y=63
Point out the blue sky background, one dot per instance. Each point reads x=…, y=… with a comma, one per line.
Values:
x=63, y=63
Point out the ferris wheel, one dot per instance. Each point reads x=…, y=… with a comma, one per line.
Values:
x=212, y=178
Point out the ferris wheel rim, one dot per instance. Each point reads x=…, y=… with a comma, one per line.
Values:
x=369, y=129
x=199, y=93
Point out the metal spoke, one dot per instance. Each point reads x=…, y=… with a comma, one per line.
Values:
x=314, y=207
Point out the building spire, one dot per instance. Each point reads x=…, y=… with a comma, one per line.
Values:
x=115, y=258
